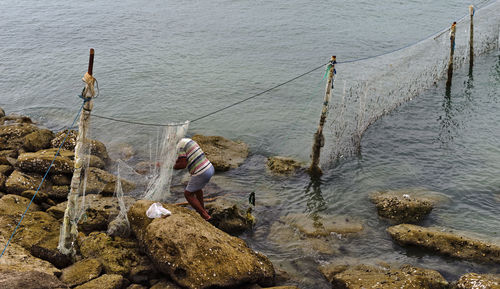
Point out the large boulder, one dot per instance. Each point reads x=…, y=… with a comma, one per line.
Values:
x=97, y=148
x=17, y=258
x=478, y=281
x=12, y=135
x=38, y=140
x=19, y=182
x=224, y=154
x=446, y=242
x=81, y=272
x=282, y=165
x=106, y=281
x=367, y=276
x=118, y=255
x=195, y=254
x=29, y=280
x=403, y=206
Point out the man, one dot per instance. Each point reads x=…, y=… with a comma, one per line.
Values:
x=201, y=169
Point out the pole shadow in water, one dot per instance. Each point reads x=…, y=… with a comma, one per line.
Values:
x=315, y=201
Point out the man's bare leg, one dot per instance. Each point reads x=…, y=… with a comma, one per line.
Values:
x=195, y=203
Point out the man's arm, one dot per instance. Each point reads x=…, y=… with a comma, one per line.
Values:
x=180, y=163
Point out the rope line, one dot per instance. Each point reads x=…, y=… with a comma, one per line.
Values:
x=43, y=180
x=435, y=34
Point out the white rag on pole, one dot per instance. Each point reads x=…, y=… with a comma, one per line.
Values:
x=156, y=210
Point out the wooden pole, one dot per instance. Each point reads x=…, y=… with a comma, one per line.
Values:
x=319, y=139
x=69, y=228
x=471, y=39
x=452, y=51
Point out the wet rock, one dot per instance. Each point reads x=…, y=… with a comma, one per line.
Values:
x=144, y=168
x=118, y=256
x=478, y=281
x=60, y=180
x=445, y=242
x=2, y=112
x=38, y=228
x=53, y=256
x=106, y=281
x=12, y=135
x=402, y=206
x=198, y=255
x=6, y=169
x=17, y=119
x=99, y=213
x=29, y=280
x=58, y=193
x=228, y=217
x=41, y=197
x=39, y=162
x=224, y=154
x=97, y=147
x=17, y=258
x=38, y=140
x=282, y=165
x=163, y=284
x=19, y=182
x=323, y=225
x=14, y=206
x=367, y=276
x=99, y=181
x=81, y=272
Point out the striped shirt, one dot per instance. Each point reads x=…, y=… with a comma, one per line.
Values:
x=197, y=162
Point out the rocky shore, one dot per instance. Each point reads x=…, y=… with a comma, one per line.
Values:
x=166, y=253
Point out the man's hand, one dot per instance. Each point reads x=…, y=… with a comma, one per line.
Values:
x=180, y=163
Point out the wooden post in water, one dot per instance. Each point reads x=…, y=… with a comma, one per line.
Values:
x=69, y=228
x=471, y=38
x=452, y=51
x=319, y=139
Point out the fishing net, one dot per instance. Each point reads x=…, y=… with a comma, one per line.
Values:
x=368, y=89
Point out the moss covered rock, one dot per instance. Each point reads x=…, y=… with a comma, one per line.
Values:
x=228, y=217
x=29, y=280
x=282, y=165
x=323, y=225
x=19, y=182
x=402, y=206
x=38, y=140
x=106, y=281
x=194, y=253
x=97, y=148
x=224, y=154
x=39, y=162
x=100, y=181
x=367, y=276
x=446, y=242
x=81, y=272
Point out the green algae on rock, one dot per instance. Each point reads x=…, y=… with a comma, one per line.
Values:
x=282, y=165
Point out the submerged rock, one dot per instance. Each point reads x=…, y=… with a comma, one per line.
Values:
x=446, y=242
x=368, y=276
x=29, y=280
x=282, y=165
x=224, y=154
x=478, y=281
x=403, y=206
x=323, y=225
x=195, y=254
x=100, y=181
x=81, y=272
x=228, y=217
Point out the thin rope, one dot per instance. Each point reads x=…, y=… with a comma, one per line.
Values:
x=137, y=122
x=43, y=180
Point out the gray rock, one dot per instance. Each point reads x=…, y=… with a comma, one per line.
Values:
x=224, y=154
x=198, y=255
x=446, y=242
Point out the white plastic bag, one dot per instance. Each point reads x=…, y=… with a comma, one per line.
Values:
x=156, y=210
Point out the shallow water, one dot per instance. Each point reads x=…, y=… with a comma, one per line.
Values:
x=163, y=61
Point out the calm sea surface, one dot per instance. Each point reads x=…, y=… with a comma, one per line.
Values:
x=169, y=61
